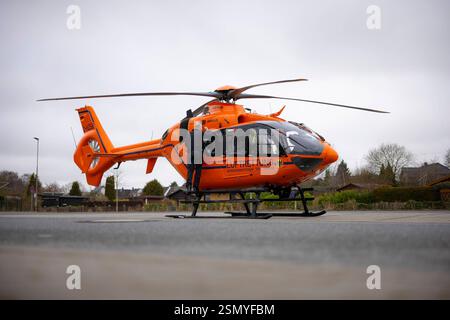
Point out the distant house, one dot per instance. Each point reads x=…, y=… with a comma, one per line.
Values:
x=440, y=181
x=56, y=199
x=175, y=193
x=145, y=199
x=128, y=193
x=98, y=190
x=360, y=186
x=424, y=175
x=443, y=184
x=169, y=190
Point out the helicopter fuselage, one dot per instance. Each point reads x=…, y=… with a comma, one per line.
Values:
x=298, y=155
x=290, y=163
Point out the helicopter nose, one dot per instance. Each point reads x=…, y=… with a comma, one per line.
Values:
x=330, y=155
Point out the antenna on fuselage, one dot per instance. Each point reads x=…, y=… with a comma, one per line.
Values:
x=73, y=136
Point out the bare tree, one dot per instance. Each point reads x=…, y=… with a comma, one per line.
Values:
x=392, y=155
x=11, y=183
x=342, y=174
x=364, y=175
x=53, y=187
x=66, y=187
x=447, y=158
x=119, y=177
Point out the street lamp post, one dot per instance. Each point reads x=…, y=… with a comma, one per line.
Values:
x=37, y=174
x=116, y=180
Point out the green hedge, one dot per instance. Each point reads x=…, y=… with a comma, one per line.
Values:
x=385, y=194
x=344, y=196
x=390, y=194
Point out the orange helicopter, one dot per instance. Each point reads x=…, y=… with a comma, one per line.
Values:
x=284, y=155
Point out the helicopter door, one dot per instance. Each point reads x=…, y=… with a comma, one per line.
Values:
x=235, y=154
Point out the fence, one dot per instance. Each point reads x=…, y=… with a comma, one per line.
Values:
x=10, y=203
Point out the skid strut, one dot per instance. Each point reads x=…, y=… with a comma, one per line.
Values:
x=250, y=203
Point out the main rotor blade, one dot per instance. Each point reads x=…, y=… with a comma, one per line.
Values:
x=258, y=96
x=234, y=93
x=203, y=94
x=200, y=109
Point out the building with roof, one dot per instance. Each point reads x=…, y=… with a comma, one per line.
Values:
x=361, y=186
x=424, y=175
x=128, y=193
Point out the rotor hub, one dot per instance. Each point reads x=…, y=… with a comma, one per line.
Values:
x=225, y=88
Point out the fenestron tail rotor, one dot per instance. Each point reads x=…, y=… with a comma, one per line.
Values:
x=96, y=149
x=227, y=94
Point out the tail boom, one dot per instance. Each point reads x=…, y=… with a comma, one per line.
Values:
x=95, y=154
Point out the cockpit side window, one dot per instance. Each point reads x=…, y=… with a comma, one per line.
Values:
x=164, y=136
x=258, y=141
x=298, y=140
x=302, y=126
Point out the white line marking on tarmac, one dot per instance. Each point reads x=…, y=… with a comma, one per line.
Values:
x=44, y=235
x=114, y=220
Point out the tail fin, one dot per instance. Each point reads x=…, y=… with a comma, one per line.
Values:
x=94, y=141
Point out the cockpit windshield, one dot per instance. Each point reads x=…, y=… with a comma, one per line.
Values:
x=302, y=126
x=296, y=139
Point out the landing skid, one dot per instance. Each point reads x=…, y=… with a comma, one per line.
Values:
x=250, y=204
x=280, y=214
x=242, y=216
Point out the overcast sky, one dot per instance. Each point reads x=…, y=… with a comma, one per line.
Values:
x=132, y=46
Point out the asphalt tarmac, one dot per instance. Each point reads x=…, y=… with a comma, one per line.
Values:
x=150, y=256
